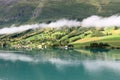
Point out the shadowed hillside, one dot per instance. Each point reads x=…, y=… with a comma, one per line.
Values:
x=30, y=11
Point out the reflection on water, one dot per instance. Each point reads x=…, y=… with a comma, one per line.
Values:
x=60, y=64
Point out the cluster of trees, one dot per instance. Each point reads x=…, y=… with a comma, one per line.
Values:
x=99, y=45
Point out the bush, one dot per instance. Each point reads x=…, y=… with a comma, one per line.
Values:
x=99, y=45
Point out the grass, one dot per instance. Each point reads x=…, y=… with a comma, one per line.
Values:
x=111, y=40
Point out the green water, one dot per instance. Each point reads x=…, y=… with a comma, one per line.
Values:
x=60, y=65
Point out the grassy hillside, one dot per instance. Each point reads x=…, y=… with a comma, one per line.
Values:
x=29, y=11
x=52, y=37
x=113, y=39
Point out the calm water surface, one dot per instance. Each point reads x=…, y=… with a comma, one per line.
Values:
x=60, y=65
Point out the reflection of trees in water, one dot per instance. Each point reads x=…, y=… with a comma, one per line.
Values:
x=80, y=54
x=99, y=50
x=68, y=54
x=106, y=54
x=57, y=53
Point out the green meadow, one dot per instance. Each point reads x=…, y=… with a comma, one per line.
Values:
x=78, y=37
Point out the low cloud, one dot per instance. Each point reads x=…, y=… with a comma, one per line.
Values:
x=92, y=21
x=57, y=24
x=13, y=29
x=97, y=21
x=64, y=22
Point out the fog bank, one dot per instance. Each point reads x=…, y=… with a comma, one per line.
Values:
x=92, y=21
x=97, y=21
x=57, y=24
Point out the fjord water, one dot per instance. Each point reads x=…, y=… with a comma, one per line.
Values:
x=60, y=64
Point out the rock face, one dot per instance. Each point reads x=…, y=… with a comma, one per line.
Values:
x=27, y=11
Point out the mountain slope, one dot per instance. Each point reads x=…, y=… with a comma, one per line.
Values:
x=31, y=11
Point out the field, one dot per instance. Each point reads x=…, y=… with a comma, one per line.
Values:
x=113, y=40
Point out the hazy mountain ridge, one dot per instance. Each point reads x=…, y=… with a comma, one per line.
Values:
x=31, y=11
